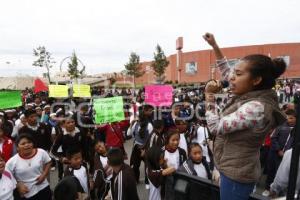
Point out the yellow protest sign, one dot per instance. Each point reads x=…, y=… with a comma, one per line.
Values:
x=81, y=91
x=58, y=91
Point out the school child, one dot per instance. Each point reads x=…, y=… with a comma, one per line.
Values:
x=156, y=172
x=123, y=184
x=156, y=138
x=70, y=137
x=76, y=168
x=196, y=164
x=102, y=171
x=174, y=156
x=141, y=131
x=40, y=132
x=113, y=134
x=279, y=140
x=182, y=128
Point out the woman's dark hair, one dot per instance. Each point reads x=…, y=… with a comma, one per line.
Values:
x=193, y=145
x=144, y=120
x=158, y=124
x=153, y=156
x=26, y=136
x=170, y=133
x=266, y=68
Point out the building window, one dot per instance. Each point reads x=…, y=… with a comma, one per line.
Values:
x=191, y=68
x=286, y=60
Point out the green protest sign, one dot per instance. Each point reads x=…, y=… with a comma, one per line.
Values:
x=108, y=110
x=10, y=99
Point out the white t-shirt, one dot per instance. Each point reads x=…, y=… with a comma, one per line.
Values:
x=7, y=186
x=202, y=134
x=81, y=175
x=172, y=159
x=200, y=170
x=183, y=143
x=28, y=170
x=103, y=160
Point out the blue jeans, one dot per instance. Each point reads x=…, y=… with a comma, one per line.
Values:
x=233, y=190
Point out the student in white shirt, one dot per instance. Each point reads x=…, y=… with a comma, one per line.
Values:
x=31, y=167
x=7, y=181
x=202, y=138
x=174, y=156
x=101, y=170
x=196, y=164
x=182, y=127
x=77, y=169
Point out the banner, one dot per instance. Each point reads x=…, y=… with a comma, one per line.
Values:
x=81, y=91
x=108, y=110
x=10, y=99
x=58, y=91
x=159, y=95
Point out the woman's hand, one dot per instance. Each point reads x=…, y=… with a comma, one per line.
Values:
x=40, y=179
x=216, y=176
x=213, y=86
x=210, y=39
x=22, y=188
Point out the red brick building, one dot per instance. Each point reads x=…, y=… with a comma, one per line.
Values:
x=198, y=66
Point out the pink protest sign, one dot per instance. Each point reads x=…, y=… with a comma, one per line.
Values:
x=159, y=95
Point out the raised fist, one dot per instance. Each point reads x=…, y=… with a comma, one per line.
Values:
x=210, y=39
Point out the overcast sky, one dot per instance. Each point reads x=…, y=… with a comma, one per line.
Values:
x=103, y=33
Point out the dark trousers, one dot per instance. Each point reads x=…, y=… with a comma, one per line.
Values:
x=60, y=167
x=264, y=151
x=135, y=162
x=273, y=163
x=44, y=194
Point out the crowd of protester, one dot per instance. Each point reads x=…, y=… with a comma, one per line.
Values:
x=46, y=134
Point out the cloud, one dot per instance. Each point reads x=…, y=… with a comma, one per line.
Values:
x=103, y=33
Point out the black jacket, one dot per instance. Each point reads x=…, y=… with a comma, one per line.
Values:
x=188, y=167
x=41, y=136
x=123, y=185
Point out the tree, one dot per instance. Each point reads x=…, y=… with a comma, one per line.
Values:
x=133, y=67
x=44, y=59
x=73, y=70
x=159, y=64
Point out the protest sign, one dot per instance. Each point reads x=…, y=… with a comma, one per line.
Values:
x=58, y=91
x=108, y=110
x=81, y=91
x=159, y=95
x=10, y=99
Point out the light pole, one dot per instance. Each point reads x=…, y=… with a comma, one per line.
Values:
x=69, y=57
x=148, y=70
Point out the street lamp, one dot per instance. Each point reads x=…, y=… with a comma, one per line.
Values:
x=69, y=57
x=148, y=70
